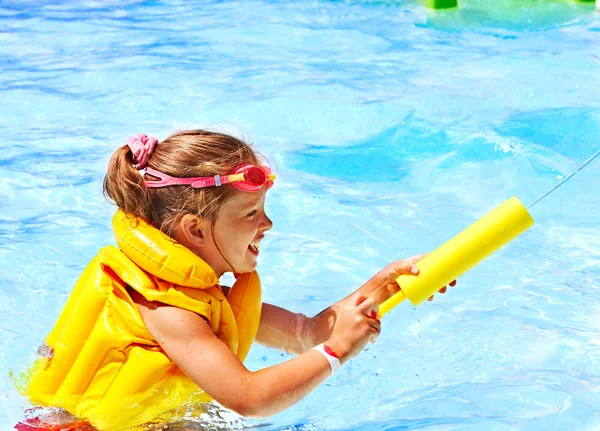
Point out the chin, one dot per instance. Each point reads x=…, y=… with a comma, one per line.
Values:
x=249, y=268
x=246, y=267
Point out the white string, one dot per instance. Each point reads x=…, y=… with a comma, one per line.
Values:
x=565, y=180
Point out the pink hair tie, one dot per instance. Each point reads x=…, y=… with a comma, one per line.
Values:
x=142, y=147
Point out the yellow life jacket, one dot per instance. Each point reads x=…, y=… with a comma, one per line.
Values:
x=102, y=364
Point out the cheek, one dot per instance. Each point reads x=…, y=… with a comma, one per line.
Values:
x=240, y=233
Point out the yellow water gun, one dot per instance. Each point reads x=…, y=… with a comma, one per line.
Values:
x=462, y=253
x=467, y=249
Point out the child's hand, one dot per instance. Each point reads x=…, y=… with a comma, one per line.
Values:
x=404, y=266
x=356, y=324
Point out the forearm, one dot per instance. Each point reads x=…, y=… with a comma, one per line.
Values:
x=345, y=326
x=276, y=388
x=297, y=333
x=294, y=332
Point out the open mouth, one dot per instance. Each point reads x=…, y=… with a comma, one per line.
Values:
x=254, y=247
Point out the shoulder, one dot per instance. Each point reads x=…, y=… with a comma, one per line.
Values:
x=160, y=318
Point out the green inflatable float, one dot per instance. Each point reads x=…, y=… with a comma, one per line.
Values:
x=448, y=4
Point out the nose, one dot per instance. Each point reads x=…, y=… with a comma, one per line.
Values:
x=266, y=223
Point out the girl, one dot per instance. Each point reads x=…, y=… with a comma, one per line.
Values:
x=148, y=329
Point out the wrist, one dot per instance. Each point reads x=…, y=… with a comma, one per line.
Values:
x=341, y=349
x=323, y=324
x=331, y=356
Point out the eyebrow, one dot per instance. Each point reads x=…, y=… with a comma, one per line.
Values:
x=252, y=203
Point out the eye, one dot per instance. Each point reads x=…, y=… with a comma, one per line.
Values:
x=252, y=213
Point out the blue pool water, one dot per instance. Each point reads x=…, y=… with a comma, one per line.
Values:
x=392, y=129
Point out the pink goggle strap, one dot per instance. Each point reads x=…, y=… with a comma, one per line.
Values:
x=236, y=179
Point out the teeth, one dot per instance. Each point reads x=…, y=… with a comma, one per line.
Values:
x=255, y=246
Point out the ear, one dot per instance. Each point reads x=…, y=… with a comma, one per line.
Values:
x=193, y=230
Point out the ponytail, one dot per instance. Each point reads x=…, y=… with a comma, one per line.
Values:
x=124, y=185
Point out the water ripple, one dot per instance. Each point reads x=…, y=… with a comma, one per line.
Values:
x=392, y=128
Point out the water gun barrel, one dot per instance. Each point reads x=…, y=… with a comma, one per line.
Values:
x=462, y=253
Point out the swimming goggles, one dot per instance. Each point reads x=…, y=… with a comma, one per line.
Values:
x=248, y=178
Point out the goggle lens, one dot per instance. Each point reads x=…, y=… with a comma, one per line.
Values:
x=255, y=176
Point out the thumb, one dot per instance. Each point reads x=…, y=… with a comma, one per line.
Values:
x=404, y=266
x=369, y=307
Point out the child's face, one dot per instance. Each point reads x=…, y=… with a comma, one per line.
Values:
x=240, y=225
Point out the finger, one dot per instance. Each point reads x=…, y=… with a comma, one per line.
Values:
x=359, y=298
x=375, y=324
x=374, y=336
x=401, y=267
x=442, y=290
x=374, y=313
x=416, y=258
x=368, y=305
x=453, y=283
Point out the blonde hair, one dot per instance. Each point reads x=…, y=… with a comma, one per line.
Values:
x=188, y=153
